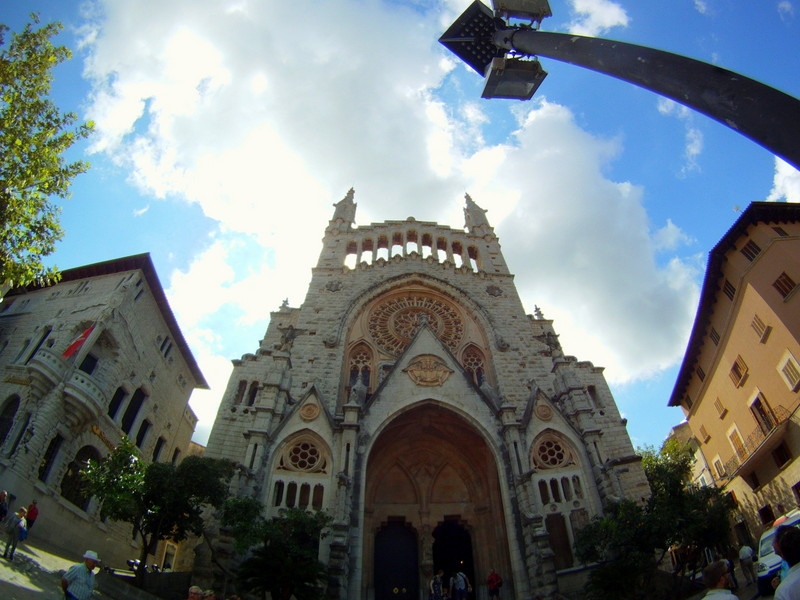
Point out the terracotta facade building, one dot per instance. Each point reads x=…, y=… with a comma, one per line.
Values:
x=83, y=362
x=412, y=397
x=739, y=381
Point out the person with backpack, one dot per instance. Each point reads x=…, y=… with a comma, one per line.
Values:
x=16, y=529
x=461, y=585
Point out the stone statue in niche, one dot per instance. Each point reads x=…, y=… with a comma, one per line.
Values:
x=288, y=336
x=358, y=393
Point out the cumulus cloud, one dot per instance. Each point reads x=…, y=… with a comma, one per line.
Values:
x=264, y=125
x=786, y=183
x=596, y=17
x=693, y=146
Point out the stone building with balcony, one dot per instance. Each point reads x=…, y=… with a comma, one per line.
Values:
x=739, y=381
x=83, y=362
x=412, y=397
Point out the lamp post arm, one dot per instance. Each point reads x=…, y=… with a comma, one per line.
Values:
x=767, y=116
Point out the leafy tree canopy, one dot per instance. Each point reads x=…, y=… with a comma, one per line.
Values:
x=34, y=135
x=159, y=500
x=629, y=541
x=287, y=563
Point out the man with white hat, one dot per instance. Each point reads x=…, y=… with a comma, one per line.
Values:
x=78, y=581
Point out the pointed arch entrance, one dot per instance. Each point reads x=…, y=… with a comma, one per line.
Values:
x=432, y=478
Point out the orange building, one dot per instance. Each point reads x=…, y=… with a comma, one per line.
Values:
x=739, y=381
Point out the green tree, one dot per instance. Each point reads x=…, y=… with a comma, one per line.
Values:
x=287, y=562
x=159, y=500
x=34, y=135
x=630, y=540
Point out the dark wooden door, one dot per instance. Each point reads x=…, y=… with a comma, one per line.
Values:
x=396, y=563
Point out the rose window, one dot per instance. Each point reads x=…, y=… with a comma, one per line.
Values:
x=394, y=322
x=551, y=452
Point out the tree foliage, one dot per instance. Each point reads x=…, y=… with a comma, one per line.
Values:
x=286, y=564
x=159, y=500
x=34, y=135
x=630, y=540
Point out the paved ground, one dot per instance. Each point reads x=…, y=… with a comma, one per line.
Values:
x=35, y=572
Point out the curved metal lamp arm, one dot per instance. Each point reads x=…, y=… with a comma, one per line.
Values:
x=767, y=116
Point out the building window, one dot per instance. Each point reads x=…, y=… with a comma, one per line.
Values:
x=766, y=514
x=132, y=411
x=704, y=434
x=142, y=434
x=738, y=444
x=791, y=373
x=49, y=457
x=751, y=250
x=166, y=347
x=738, y=371
x=720, y=468
x=176, y=454
x=73, y=485
x=116, y=402
x=474, y=364
x=10, y=409
x=251, y=395
x=721, y=410
x=780, y=231
x=700, y=373
x=687, y=401
x=763, y=414
x=241, y=388
x=714, y=335
x=752, y=480
x=784, y=284
x=762, y=329
x=88, y=364
x=158, y=448
x=729, y=289
x=782, y=455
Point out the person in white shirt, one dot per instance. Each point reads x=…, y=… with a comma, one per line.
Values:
x=788, y=545
x=746, y=560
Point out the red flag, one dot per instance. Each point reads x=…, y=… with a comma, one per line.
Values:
x=75, y=346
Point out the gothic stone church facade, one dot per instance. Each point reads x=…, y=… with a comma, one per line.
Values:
x=412, y=398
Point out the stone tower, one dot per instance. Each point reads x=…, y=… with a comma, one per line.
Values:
x=441, y=426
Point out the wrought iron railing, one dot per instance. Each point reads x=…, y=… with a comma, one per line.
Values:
x=751, y=443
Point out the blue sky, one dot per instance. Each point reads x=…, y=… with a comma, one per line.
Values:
x=226, y=129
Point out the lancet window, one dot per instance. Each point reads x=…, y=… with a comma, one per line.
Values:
x=475, y=364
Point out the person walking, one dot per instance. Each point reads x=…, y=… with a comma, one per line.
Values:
x=78, y=581
x=33, y=514
x=15, y=525
x=437, y=586
x=459, y=583
x=3, y=505
x=746, y=560
x=494, y=582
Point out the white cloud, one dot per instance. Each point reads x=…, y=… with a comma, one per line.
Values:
x=693, y=136
x=786, y=183
x=785, y=10
x=265, y=125
x=596, y=17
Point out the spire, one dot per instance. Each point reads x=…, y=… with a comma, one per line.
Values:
x=475, y=217
x=345, y=209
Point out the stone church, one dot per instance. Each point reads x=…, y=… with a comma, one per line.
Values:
x=413, y=398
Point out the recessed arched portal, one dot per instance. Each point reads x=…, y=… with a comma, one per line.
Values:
x=433, y=471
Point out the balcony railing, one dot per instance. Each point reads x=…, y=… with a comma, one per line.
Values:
x=757, y=439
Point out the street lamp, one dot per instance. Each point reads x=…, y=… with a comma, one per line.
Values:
x=493, y=47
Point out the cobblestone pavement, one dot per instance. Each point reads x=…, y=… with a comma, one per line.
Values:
x=35, y=572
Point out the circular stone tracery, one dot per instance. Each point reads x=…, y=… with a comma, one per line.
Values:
x=551, y=452
x=393, y=322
